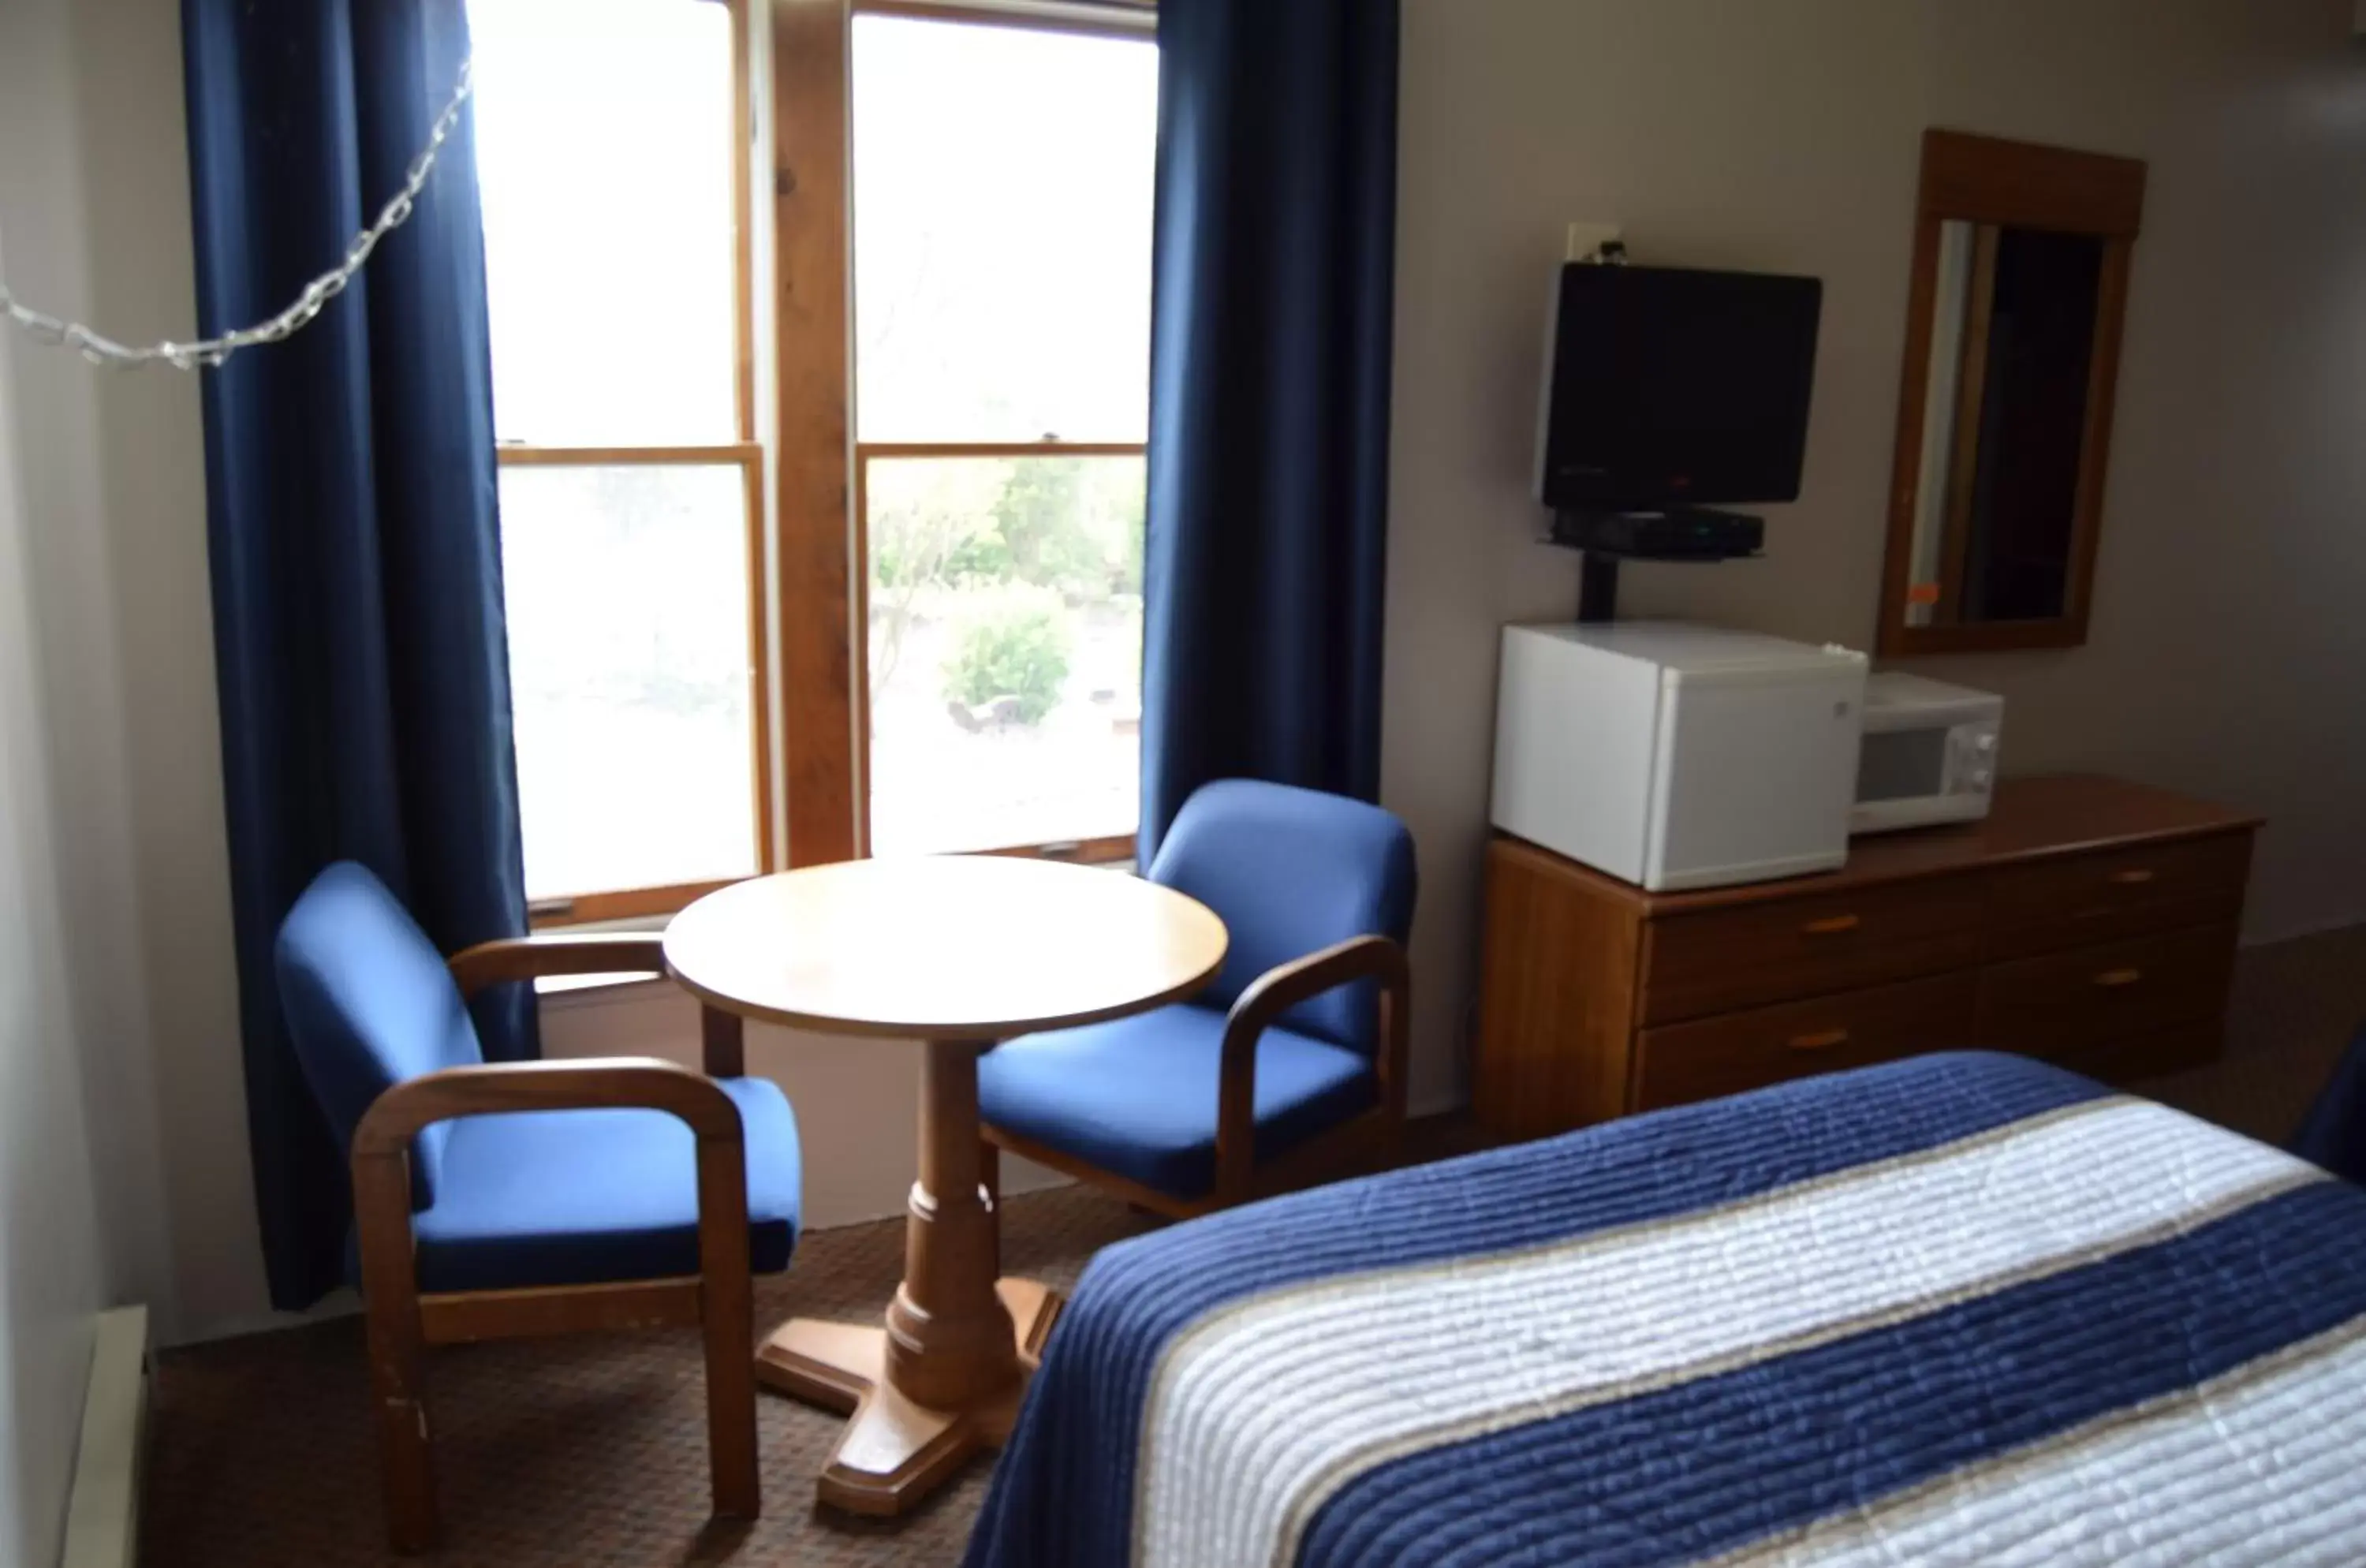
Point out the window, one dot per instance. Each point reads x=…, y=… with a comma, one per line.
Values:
x=1001, y=213
x=934, y=642
x=609, y=139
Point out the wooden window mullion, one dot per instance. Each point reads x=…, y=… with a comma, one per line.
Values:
x=818, y=537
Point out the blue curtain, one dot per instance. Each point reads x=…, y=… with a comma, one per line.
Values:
x=1273, y=292
x=355, y=548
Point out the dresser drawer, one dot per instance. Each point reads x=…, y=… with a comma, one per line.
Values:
x=2071, y=1006
x=1683, y=1062
x=2078, y=899
x=1774, y=951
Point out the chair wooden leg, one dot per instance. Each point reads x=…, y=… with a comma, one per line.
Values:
x=1391, y=1145
x=730, y=1330
x=728, y=1318
x=406, y=1457
x=398, y=1353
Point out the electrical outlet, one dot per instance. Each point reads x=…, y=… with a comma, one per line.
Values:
x=1585, y=239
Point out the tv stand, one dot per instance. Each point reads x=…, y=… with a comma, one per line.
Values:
x=1597, y=588
x=1606, y=538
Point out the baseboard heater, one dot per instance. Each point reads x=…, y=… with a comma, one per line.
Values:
x=103, y=1515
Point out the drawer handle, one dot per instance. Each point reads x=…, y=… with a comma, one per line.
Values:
x=2116, y=977
x=2135, y=878
x=1824, y=1041
x=1831, y=925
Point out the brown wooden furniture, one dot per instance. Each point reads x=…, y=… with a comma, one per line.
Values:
x=957, y=953
x=2086, y=921
x=1994, y=188
x=403, y=1321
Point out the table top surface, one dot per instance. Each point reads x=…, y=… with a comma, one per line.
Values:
x=943, y=947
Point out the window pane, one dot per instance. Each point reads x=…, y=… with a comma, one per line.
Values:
x=1002, y=200
x=604, y=147
x=1006, y=650
x=627, y=592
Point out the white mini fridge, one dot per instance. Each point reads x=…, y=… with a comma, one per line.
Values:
x=1677, y=756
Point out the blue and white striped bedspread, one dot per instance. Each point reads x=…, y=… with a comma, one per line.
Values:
x=1962, y=1309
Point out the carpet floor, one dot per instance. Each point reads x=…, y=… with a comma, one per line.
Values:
x=584, y=1452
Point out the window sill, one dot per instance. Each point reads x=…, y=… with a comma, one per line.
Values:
x=575, y=989
x=582, y=989
x=592, y=987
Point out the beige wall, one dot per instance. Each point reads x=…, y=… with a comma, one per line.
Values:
x=2226, y=642
x=157, y=942
x=50, y=1267
x=117, y=647
x=78, y=1132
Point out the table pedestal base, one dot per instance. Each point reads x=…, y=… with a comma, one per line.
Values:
x=896, y=1450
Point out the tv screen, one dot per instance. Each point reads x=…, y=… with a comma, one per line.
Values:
x=1674, y=387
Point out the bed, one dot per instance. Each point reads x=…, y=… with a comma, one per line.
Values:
x=1964, y=1308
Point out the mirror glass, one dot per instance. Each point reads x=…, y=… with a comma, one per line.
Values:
x=2004, y=425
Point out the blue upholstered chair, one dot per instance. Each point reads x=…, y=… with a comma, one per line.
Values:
x=491, y=1200
x=2334, y=1134
x=1288, y=1069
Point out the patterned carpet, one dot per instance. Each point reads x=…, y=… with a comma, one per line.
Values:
x=573, y=1453
x=577, y=1451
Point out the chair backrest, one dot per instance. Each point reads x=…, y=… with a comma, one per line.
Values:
x=2333, y=1135
x=369, y=1004
x=1292, y=872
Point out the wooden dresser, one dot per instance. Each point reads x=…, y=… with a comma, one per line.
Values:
x=2086, y=921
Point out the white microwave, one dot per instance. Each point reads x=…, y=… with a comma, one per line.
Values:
x=1928, y=753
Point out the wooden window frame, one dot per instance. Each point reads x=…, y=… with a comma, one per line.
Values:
x=747, y=456
x=1091, y=18
x=1106, y=851
x=817, y=472
x=822, y=474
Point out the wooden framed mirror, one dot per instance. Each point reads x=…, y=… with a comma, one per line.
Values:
x=2004, y=408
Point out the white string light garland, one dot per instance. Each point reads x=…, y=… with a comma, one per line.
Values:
x=210, y=353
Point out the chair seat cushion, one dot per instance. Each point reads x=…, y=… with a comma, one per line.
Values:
x=582, y=1197
x=1137, y=1096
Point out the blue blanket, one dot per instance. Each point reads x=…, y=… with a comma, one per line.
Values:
x=1964, y=1307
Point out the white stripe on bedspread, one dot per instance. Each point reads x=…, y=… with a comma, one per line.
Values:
x=2259, y=1465
x=1263, y=1410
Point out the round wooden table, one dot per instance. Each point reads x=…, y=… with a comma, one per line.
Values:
x=958, y=953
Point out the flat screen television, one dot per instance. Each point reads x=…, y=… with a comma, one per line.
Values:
x=1669, y=388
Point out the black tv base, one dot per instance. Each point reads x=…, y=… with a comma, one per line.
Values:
x=1608, y=538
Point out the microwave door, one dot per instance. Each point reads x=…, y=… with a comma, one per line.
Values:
x=1923, y=777
x=1902, y=765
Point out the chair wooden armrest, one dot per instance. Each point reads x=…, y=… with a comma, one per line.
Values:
x=1274, y=993
x=556, y=952
x=594, y=953
x=585, y=1084
x=381, y=1155
x=400, y=1321
x=381, y=1158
